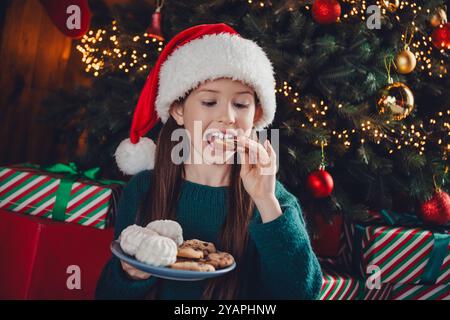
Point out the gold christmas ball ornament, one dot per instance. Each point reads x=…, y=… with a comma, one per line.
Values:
x=439, y=17
x=397, y=99
x=390, y=5
x=405, y=61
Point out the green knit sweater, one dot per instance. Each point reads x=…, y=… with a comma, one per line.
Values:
x=279, y=264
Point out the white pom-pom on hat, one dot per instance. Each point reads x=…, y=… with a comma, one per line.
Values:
x=133, y=158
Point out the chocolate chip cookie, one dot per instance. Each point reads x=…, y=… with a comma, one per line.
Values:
x=193, y=266
x=218, y=260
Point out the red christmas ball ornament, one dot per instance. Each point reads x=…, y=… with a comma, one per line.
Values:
x=320, y=183
x=441, y=36
x=436, y=211
x=326, y=11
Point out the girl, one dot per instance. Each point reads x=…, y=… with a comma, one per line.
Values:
x=208, y=78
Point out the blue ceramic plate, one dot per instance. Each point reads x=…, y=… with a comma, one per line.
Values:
x=165, y=272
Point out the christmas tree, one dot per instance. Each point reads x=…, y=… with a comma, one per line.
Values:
x=362, y=92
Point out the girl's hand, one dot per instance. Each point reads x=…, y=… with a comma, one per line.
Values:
x=258, y=168
x=134, y=273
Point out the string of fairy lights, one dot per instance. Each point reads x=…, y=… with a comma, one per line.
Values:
x=421, y=43
x=416, y=135
x=103, y=45
x=102, y=49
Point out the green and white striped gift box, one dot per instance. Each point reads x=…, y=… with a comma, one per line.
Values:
x=33, y=192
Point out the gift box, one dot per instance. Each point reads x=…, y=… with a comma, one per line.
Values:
x=401, y=247
x=60, y=192
x=338, y=285
x=404, y=291
x=343, y=260
x=328, y=240
x=46, y=259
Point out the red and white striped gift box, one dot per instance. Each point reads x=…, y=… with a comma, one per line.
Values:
x=402, y=254
x=402, y=291
x=342, y=286
x=33, y=192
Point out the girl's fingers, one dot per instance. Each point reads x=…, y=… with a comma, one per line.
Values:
x=258, y=153
x=272, y=168
x=251, y=152
x=245, y=162
x=271, y=151
x=266, y=147
x=133, y=272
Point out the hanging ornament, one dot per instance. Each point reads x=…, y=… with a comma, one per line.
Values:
x=390, y=5
x=439, y=17
x=441, y=36
x=395, y=98
x=71, y=17
x=436, y=211
x=154, y=30
x=326, y=11
x=405, y=61
x=320, y=182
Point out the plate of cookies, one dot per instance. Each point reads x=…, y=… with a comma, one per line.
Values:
x=159, y=249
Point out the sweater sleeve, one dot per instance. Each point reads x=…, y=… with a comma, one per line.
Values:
x=289, y=267
x=114, y=283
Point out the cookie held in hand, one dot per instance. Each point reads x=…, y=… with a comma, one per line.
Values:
x=228, y=142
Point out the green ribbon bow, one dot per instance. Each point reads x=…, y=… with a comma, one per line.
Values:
x=71, y=174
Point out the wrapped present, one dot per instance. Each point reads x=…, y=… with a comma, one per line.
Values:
x=60, y=192
x=47, y=259
x=343, y=286
x=343, y=260
x=329, y=238
x=404, y=291
x=401, y=247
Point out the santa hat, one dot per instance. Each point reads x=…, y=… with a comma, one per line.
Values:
x=200, y=53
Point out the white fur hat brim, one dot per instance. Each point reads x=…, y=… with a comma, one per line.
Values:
x=222, y=55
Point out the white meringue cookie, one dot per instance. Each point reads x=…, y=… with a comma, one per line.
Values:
x=132, y=236
x=168, y=228
x=157, y=251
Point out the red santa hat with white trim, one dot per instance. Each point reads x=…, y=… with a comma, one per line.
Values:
x=197, y=54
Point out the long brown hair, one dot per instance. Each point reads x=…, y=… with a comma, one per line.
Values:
x=162, y=199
